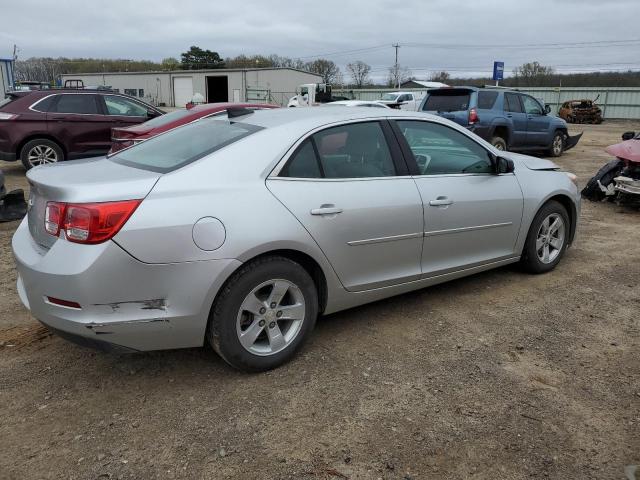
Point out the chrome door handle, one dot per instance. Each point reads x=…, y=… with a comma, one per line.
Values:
x=326, y=210
x=440, y=202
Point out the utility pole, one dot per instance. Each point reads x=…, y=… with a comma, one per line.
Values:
x=396, y=68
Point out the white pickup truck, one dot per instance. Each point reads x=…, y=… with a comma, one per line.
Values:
x=403, y=100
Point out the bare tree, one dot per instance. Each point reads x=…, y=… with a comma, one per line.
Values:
x=398, y=75
x=325, y=68
x=532, y=73
x=359, y=72
x=442, y=77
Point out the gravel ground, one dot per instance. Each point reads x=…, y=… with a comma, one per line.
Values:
x=501, y=375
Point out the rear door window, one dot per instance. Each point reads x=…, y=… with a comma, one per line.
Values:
x=486, y=100
x=76, y=103
x=447, y=101
x=179, y=147
x=356, y=150
x=512, y=103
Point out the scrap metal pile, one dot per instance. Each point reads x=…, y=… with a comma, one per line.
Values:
x=580, y=111
x=618, y=180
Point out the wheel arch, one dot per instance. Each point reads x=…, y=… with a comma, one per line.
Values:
x=35, y=136
x=572, y=210
x=502, y=131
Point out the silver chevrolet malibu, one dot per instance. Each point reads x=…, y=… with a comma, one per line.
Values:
x=240, y=231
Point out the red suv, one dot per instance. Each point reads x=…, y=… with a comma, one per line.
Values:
x=125, y=137
x=48, y=126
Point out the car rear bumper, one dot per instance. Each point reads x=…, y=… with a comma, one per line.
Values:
x=125, y=304
x=8, y=157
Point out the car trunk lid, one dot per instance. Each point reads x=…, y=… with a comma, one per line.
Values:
x=450, y=103
x=82, y=181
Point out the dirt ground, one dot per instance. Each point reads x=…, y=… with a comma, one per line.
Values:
x=501, y=375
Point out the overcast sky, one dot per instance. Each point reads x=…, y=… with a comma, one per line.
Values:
x=461, y=37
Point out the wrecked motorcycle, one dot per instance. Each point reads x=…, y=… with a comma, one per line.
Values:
x=618, y=180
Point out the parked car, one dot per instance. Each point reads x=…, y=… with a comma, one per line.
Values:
x=240, y=231
x=402, y=100
x=355, y=103
x=126, y=136
x=48, y=126
x=508, y=119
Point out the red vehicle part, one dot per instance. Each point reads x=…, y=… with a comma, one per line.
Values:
x=125, y=137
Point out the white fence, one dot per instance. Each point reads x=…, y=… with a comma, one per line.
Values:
x=615, y=102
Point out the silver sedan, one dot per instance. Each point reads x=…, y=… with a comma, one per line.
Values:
x=240, y=231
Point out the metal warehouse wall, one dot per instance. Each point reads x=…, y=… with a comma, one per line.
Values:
x=615, y=102
x=6, y=76
x=256, y=85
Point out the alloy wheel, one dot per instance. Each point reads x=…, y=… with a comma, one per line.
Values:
x=41, y=154
x=558, y=142
x=550, y=238
x=270, y=317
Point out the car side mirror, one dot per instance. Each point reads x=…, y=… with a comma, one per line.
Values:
x=547, y=109
x=504, y=165
x=628, y=135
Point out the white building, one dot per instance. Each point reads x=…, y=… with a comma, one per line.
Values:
x=176, y=88
x=6, y=76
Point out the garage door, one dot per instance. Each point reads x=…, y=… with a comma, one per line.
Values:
x=182, y=90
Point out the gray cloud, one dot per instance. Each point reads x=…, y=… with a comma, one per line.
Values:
x=146, y=29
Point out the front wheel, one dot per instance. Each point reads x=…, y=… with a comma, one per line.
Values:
x=547, y=238
x=557, y=144
x=264, y=314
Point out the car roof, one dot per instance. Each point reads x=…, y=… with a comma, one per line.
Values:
x=220, y=106
x=312, y=117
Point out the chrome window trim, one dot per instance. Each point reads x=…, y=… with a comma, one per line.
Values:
x=38, y=101
x=68, y=113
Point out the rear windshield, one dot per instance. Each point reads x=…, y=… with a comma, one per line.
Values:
x=184, y=145
x=487, y=100
x=447, y=101
x=168, y=118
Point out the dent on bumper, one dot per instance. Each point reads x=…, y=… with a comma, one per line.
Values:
x=123, y=301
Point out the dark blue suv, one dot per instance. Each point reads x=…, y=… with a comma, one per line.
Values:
x=508, y=119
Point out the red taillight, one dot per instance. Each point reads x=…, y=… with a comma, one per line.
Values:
x=88, y=222
x=8, y=116
x=53, y=217
x=473, y=116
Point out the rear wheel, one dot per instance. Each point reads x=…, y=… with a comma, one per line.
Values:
x=264, y=314
x=557, y=144
x=40, y=151
x=547, y=239
x=499, y=143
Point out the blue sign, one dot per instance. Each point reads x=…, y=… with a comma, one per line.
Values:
x=498, y=70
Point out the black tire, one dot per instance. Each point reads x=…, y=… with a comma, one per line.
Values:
x=222, y=331
x=530, y=261
x=557, y=144
x=45, y=145
x=499, y=143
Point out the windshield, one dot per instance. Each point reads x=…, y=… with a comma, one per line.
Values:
x=390, y=97
x=168, y=118
x=184, y=145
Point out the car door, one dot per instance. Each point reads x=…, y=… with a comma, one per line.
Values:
x=124, y=112
x=471, y=215
x=537, y=122
x=349, y=187
x=514, y=111
x=76, y=120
